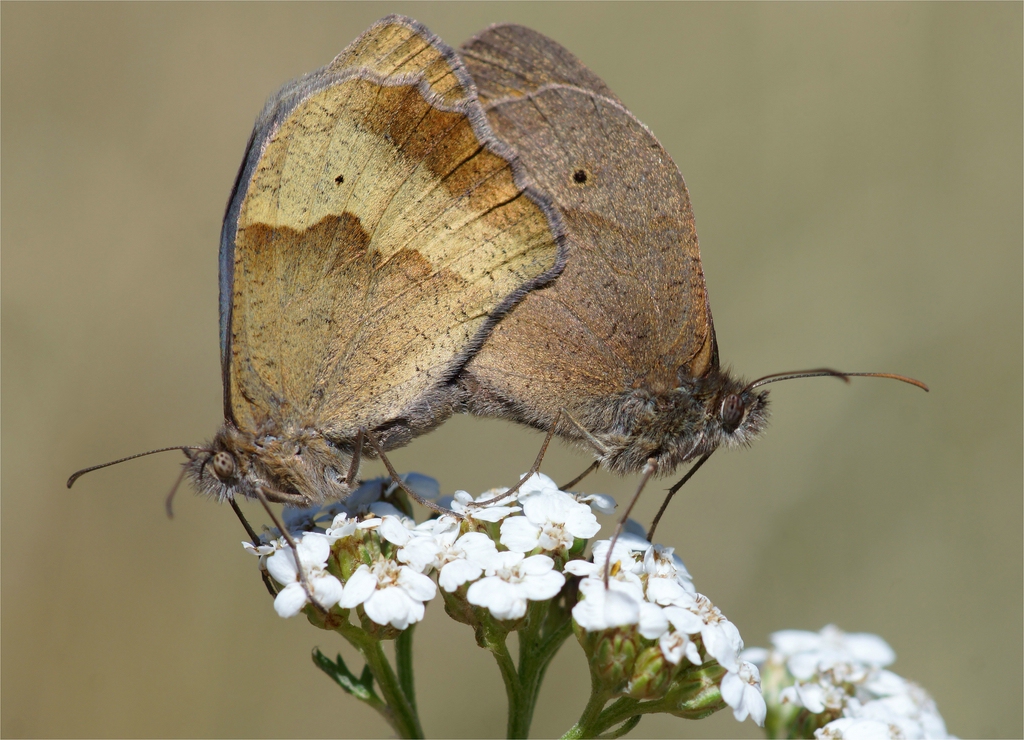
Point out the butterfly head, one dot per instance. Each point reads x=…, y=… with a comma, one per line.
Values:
x=737, y=414
x=676, y=425
x=292, y=466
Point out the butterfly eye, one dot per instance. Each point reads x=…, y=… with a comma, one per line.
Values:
x=223, y=465
x=732, y=412
x=579, y=176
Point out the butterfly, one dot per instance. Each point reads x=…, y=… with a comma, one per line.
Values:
x=619, y=352
x=375, y=233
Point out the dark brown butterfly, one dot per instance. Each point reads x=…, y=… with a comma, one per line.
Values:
x=619, y=352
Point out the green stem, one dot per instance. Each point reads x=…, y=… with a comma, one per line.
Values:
x=622, y=710
x=400, y=713
x=584, y=726
x=536, y=651
x=403, y=662
x=624, y=728
x=399, y=705
x=513, y=690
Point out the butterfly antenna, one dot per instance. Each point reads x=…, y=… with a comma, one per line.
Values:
x=80, y=473
x=174, y=490
x=829, y=372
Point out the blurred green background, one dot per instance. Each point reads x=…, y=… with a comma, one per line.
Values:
x=856, y=173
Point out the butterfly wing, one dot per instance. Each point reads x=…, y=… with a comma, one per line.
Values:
x=509, y=61
x=630, y=309
x=376, y=231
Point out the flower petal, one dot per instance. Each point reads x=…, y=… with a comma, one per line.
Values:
x=393, y=606
x=418, y=586
x=327, y=590
x=653, y=622
x=501, y=598
x=518, y=534
x=359, y=588
x=281, y=566
x=392, y=529
x=290, y=600
x=457, y=572
x=543, y=586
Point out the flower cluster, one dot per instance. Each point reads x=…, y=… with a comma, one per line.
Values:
x=677, y=628
x=831, y=684
x=648, y=634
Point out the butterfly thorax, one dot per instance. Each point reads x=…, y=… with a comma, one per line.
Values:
x=677, y=425
x=289, y=463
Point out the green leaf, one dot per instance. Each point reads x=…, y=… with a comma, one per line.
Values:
x=361, y=688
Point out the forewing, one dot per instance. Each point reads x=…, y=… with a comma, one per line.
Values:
x=376, y=232
x=506, y=60
x=630, y=308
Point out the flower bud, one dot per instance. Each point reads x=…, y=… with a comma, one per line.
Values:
x=696, y=691
x=613, y=658
x=651, y=675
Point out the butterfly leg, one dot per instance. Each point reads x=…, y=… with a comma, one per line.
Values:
x=397, y=479
x=592, y=467
x=278, y=496
x=256, y=542
x=648, y=471
x=597, y=444
x=672, y=492
x=533, y=469
x=357, y=454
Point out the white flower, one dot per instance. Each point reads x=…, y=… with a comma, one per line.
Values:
x=848, y=728
x=513, y=579
x=622, y=567
x=910, y=709
x=552, y=520
x=605, y=608
x=842, y=673
x=807, y=653
x=668, y=581
x=721, y=639
x=264, y=549
x=741, y=690
x=884, y=683
x=814, y=696
x=466, y=560
x=430, y=540
x=389, y=592
x=536, y=483
x=342, y=526
x=653, y=622
x=314, y=549
x=756, y=655
x=634, y=536
x=495, y=513
x=393, y=529
x=456, y=560
x=677, y=645
x=386, y=508
x=599, y=502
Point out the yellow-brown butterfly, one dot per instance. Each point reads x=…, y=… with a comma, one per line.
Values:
x=376, y=231
x=619, y=352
